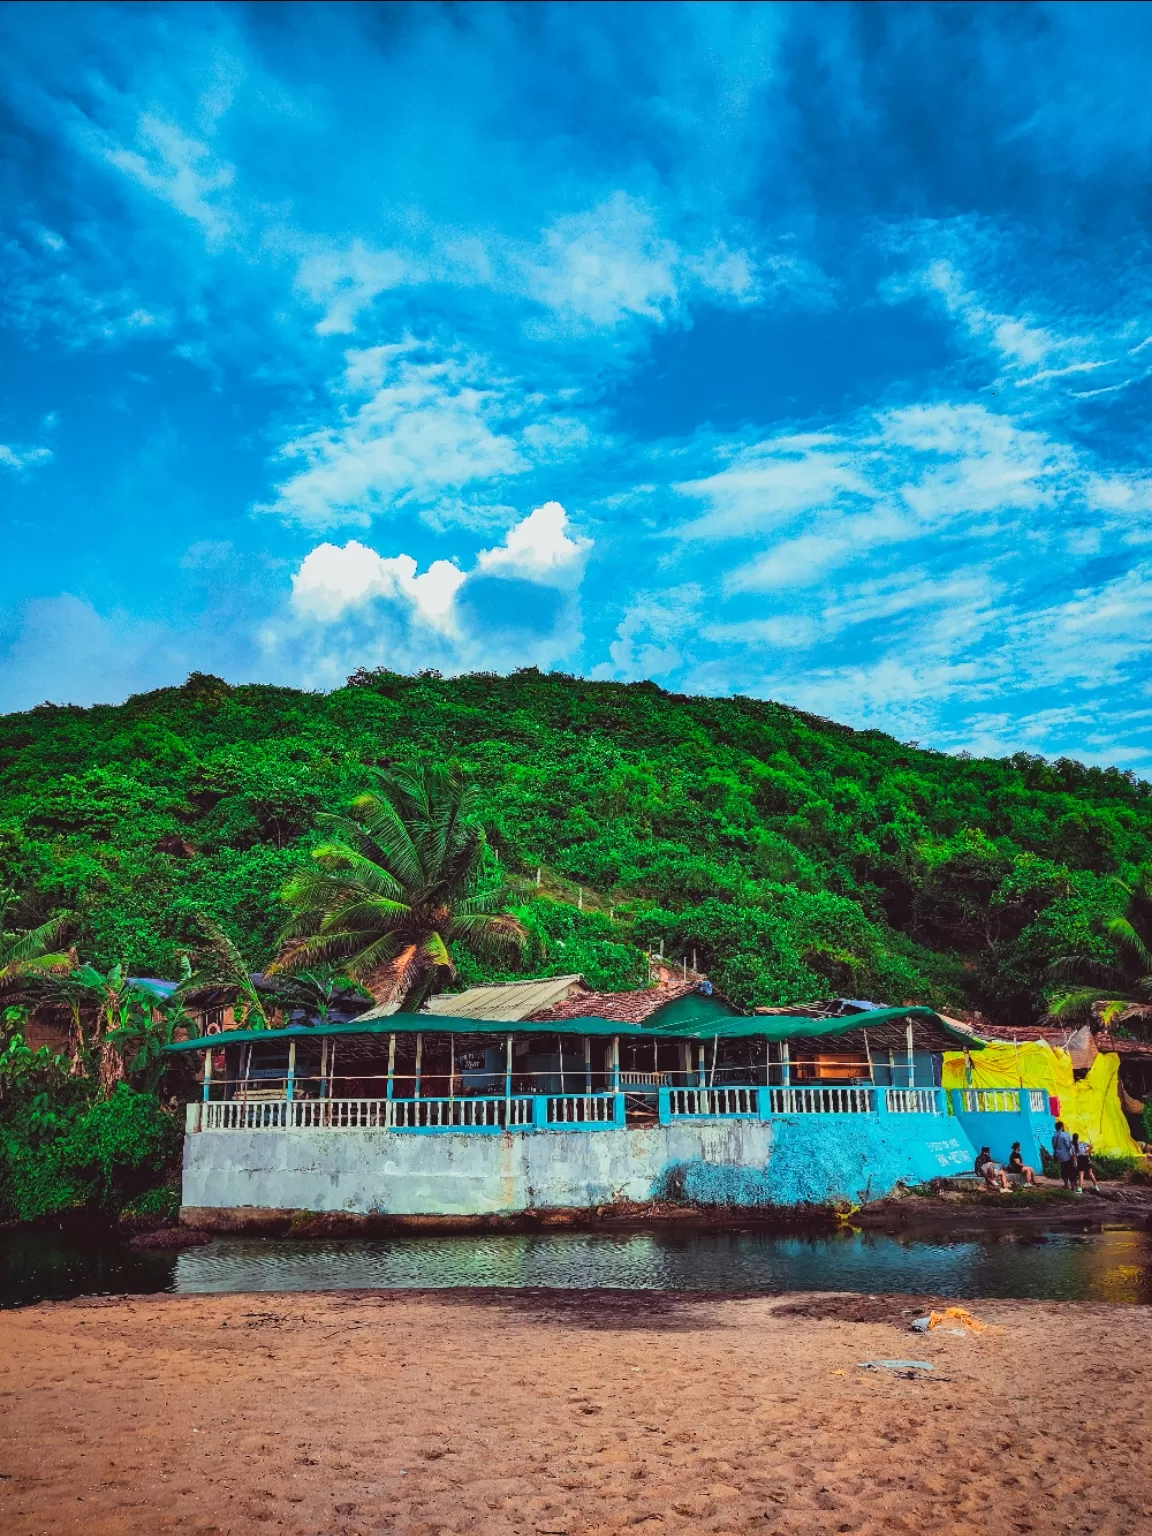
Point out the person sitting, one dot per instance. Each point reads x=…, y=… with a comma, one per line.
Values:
x=1084, y=1168
x=1018, y=1169
x=992, y=1173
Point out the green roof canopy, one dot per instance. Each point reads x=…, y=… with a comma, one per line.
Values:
x=756, y=1026
x=791, y=1026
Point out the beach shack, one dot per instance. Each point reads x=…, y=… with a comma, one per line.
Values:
x=451, y=1114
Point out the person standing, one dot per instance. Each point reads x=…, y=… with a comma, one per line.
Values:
x=1064, y=1155
x=1082, y=1150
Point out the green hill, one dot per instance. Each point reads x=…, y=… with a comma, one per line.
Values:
x=796, y=857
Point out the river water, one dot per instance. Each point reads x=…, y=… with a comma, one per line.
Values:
x=1092, y=1265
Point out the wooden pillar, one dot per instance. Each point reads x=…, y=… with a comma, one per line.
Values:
x=911, y=1063
x=207, y=1074
x=587, y=1065
x=560, y=1043
x=712, y=1074
x=785, y=1065
x=615, y=1063
x=419, y=1064
x=290, y=1086
x=508, y=1082
x=451, y=1067
x=391, y=1078
x=324, y=1068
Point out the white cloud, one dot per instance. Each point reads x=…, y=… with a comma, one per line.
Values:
x=19, y=458
x=332, y=580
x=612, y=263
x=352, y=606
x=178, y=169
x=538, y=549
x=769, y=483
x=61, y=648
x=650, y=638
x=427, y=426
x=347, y=281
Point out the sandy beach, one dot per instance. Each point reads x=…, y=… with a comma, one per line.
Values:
x=567, y=1412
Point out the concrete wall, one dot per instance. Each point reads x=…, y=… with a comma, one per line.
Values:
x=997, y=1132
x=782, y=1161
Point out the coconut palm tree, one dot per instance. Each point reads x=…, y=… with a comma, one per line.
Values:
x=398, y=881
x=1126, y=977
x=29, y=956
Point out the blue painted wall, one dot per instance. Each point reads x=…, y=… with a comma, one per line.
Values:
x=822, y=1159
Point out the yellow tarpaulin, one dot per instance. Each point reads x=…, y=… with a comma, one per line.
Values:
x=1090, y=1107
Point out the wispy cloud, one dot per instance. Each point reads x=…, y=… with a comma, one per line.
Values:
x=409, y=427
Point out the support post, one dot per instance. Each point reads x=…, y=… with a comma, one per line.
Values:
x=290, y=1085
x=508, y=1085
x=712, y=1073
x=616, y=1064
x=587, y=1066
x=451, y=1068
x=391, y=1078
x=560, y=1043
x=911, y=1063
x=324, y=1068
x=785, y=1065
x=419, y=1063
x=207, y=1074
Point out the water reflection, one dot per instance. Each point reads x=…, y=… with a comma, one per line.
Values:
x=1111, y=1266
x=1108, y=1266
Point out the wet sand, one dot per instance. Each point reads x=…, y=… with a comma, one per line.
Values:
x=541, y=1413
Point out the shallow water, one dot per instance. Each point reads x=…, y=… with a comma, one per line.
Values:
x=1109, y=1265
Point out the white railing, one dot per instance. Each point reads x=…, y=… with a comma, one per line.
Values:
x=1038, y=1101
x=912, y=1101
x=459, y=1114
x=990, y=1101
x=821, y=1101
x=361, y=1114
x=651, y=1079
x=713, y=1101
x=581, y=1109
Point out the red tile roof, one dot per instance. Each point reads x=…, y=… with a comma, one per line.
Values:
x=1058, y=1035
x=623, y=1007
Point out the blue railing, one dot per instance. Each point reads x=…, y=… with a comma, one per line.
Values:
x=605, y=1110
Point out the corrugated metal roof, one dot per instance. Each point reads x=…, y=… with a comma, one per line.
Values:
x=510, y=1000
x=507, y=1001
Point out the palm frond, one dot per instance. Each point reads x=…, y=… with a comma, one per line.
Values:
x=1121, y=929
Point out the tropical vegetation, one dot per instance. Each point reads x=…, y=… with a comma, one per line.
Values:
x=410, y=833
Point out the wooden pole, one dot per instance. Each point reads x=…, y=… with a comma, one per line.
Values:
x=290, y=1086
x=391, y=1078
x=868, y=1053
x=419, y=1063
x=324, y=1068
x=712, y=1074
x=207, y=1074
x=615, y=1063
x=911, y=1064
x=785, y=1064
x=587, y=1065
x=508, y=1084
x=560, y=1042
x=451, y=1067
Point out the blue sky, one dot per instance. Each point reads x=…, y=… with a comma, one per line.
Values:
x=803, y=352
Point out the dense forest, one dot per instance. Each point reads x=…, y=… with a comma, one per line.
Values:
x=795, y=858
